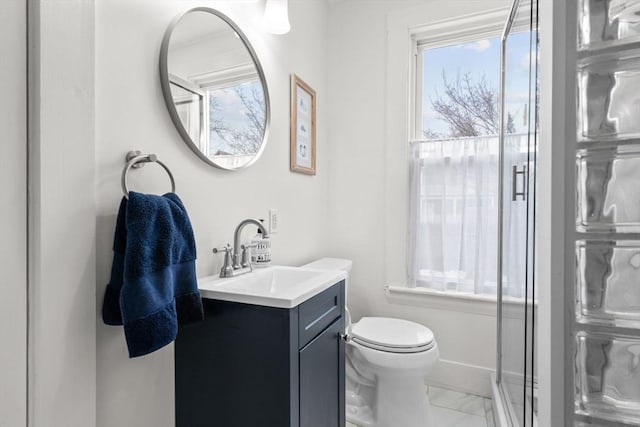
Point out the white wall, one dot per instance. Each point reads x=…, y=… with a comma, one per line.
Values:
x=61, y=214
x=13, y=224
x=131, y=114
x=368, y=124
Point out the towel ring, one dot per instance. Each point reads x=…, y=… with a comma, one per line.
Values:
x=136, y=160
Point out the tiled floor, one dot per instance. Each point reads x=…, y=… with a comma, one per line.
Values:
x=455, y=409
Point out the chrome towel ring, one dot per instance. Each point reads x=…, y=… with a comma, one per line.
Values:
x=136, y=160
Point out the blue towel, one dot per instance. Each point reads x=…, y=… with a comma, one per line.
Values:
x=153, y=285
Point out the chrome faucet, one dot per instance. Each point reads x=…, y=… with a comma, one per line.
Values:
x=236, y=241
x=236, y=262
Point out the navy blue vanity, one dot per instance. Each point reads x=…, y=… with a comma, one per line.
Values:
x=251, y=365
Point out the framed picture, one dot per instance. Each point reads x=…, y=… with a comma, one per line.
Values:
x=303, y=127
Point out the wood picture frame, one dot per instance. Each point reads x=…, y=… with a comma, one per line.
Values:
x=303, y=127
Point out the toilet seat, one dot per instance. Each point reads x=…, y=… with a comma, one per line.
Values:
x=386, y=362
x=393, y=349
x=392, y=335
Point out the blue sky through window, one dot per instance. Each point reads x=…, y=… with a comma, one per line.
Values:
x=231, y=117
x=478, y=58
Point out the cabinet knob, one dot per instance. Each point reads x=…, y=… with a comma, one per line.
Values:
x=345, y=337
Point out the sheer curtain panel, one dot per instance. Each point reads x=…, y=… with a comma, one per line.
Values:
x=453, y=227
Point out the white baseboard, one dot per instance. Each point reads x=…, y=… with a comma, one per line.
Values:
x=461, y=377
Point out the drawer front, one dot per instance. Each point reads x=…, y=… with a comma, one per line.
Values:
x=319, y=312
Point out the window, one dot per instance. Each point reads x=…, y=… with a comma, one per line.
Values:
x=236, y=118
x=458, y=88
x=224, y=112
x=454, y=162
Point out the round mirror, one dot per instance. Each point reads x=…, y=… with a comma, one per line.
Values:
x=215, y=88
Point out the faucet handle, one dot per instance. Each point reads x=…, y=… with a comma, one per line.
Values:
x=245, y=262
x=226, y=249
x=227, y=269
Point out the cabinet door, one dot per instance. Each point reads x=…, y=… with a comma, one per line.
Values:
x=322, y=379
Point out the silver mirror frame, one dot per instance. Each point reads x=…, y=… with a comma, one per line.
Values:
x=168, y=98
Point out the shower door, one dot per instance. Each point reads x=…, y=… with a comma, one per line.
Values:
x=515, y=376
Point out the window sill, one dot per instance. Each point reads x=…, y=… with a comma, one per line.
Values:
x=475, y=304
x=464, y=303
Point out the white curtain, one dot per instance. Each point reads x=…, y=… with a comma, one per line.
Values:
x=454, y=216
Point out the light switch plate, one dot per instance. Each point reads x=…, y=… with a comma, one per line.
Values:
x=273, y=221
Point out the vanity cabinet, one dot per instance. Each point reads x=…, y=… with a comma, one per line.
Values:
x=248, y=365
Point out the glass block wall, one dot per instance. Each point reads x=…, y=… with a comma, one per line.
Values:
x=607, y=288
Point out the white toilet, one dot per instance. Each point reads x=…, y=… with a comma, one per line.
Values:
x=387, y=360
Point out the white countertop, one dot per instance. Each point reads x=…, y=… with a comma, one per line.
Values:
x=275, y=286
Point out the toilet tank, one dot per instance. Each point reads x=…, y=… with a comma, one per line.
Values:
x=331, y=264
x=340, y=264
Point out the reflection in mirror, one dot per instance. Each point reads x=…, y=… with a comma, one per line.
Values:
x=215, y=88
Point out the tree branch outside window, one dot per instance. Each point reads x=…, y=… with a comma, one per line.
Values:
x=469, y=107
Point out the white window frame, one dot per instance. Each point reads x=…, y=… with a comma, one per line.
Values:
x=200, y=110
x=441, y=34
x=223, y=79
x=405, y=29
x=200, y=86
x=445, y=33
x=227, y=77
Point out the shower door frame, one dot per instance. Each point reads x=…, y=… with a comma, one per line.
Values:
x=529, y=365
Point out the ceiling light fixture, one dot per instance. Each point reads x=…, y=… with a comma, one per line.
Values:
x=276, y=16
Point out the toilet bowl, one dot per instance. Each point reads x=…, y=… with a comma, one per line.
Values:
x=387, y=360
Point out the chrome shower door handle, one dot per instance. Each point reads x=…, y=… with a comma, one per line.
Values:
x=514, y=183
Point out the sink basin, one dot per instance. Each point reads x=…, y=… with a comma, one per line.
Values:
x=275, y=286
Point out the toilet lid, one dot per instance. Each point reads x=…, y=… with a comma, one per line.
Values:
x=392, y=334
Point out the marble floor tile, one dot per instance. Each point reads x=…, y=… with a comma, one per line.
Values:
x=443, y=417
x=488, y=408
x=456, y=409
x=457, y=401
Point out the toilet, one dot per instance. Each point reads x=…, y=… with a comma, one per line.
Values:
x=387, y=360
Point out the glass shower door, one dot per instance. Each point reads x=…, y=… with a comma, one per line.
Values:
x=516, y=278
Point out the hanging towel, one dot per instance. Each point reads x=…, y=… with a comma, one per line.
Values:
x=153, y=285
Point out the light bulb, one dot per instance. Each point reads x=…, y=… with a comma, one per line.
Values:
x=276, y=16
